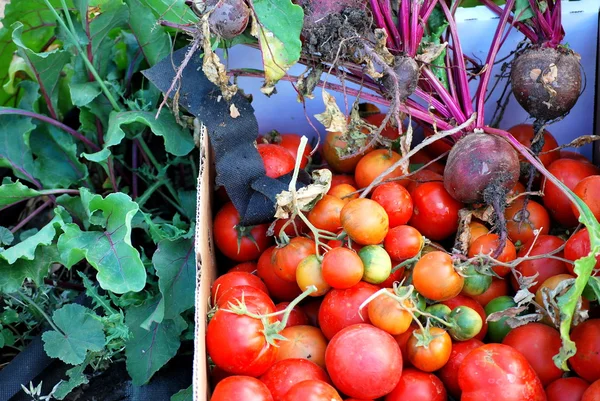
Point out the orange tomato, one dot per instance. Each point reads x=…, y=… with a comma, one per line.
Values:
x=365, y=221
x=435, y=278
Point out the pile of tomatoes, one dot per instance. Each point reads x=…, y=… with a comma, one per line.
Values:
x=361, y=299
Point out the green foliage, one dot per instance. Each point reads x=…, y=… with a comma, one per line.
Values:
x=184, y=395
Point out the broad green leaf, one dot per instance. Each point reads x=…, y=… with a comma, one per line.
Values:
x=83, y=93
x=149, y=350
x=523, y=10
x=9, y=337
x=46, y=66
x=9, y=316
x=120, y=268
x=278, y=31
x=152, y=38
x=157, y=315
x=57, y=164
x=175, y=265
x=184, y=395
x=76, y=378
x=27, y=249
x=81, y=331
x=188, y=201
x=17, y=65
x=113, y=16
x=30, y=97
x=13, y=275
x=171, y=10
x=178, y=141
x=73, y=205
x=14, y=145
x=12, y=192
x=6, y=237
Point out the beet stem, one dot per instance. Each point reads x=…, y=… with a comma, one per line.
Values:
x=523, y=28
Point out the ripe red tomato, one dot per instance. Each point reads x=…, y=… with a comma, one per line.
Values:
x=292, y=142
x=422, y=157
x=500, y=373
x=435, y=278
x=477, y=230
x=521, y=224
x=538, y=343
x=248, y=267
x=241, y=244
x=417, y=385
x=343, y=192
x=336, y=145
x=438, y=147
x=435, y=212
x=592, y=393
x=577, y=247
x=566, y=389
x=588, y=190
x=365, y=221
x=402, y=340
x=487, y=244
x=286, y=259
x=277, y=160
x=338, y=179
x=403, y=242
x=463, y=300
x=311, y=308
x=569, y=172
x=279, y=289
x=498, y=288
x=433, y=356
x=241, y=388
x=449, y=372
x=389, y=131
x=293, y=229
x=312, y=390
x=524, y=134
x=389, y=315
x=326, y=213
x=569, y=154
x=396, y=201
x=283, y=375
x=586, y=362
x=297, y=316
x=373, y=164
x=305, y=342
x=394, y=277
x=342, y=268
x=233, y=279
x=421, y=177
x=339, y=308
x=364, y=361
x=546, y=267
x=236, y=294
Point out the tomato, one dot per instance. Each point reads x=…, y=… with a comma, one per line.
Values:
x=292, y=142
x=521, y=224
x=417, y=385
x=487, y=244
x=297, y=316
x=286, y=259
x=396, y=201
x=462, y=300
x=588, y=190
x=394, y=277
x=342, y=268
x=539, y=344
x=338, y=179
x=516, y=190
x=373, y=164
x=283, y=375
x=364, y=361
x=434, y=277
x=241, y=244
x=217, y=375
x=569, y=172
x=440, y=311
x=422, y=157
x=237, y=344
x=343, y=192
x=312, y=390
x=550, y=284
x=339, y=308
x=235, y=295
x=311, y=308
x=592, y=393
x=402, y=340
x=498, y=288
x=497, y=330
x=248, y=267
x=232, y=279
x=475, y=283
x=435, y=212
x=421, y=177
x=294, y=229
x=241, y=388
x=500, y=373
x=433, y=356
x=336, y=145
x=365, y=221
x=377, y=264
x=545, y=267
x=277, y=160
x=310, y=272
x=305, y=342
x=403, y=242
x=569, y=154
x=389, y=315
x=438, y=147
x=566, y=389
x=279, y=289
x=449, y=372
x=466, y=322
x=326, y=213
x=524, y=133
x=477, y=230
x=577, y=247
x=389, y=131
x=586, y=362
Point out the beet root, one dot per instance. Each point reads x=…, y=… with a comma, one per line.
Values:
x=546, y=82
x=479, y=164
x=407, y=74
x=229, y=18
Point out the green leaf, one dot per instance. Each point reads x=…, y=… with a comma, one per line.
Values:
x=74, y=206
x=437, y=24
x=278, y=31
x=175, y=265
x=9, y=316
x=160, y=229
x=113, y=16
x=178, y=141
x=46, y=66
x=83, y=93
x=1, y=340
x=152, y=38
x=6, y=237
x=522, y=10
x=76, y=378
x=13, y=192
x=188, y=201
x=120, y=268
x=149, y=350
x=17, y=65
x=184, y=395
x=30, y=95
x=26, y=249
x=9, y=337
x=81, y=331
x=100, y=301
x=171, y=10
x=13, y=275
x=14, y=145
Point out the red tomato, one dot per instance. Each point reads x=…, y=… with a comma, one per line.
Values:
x=312, y=390
x=248, y=267
x=339, y=308
x=396, y=201
x=435, y=212
x=335, y=145
x=233, y=279
x=283, y=375
x=592, y=393
x=521, y=224
x=373, y=164
x=239, y=243
x=305, y=342
x=589, y=192
x=342, y=268
x=241, y=388
x=292, y=142
x=345, y=192
x=498, y=288
x=421, y=177
x=422, y=157
x=524, y=134
x=403, y=242
x=433, y=356
x=394, y=277
x=286, y=259
x=389, y=131
x=566, y=389
x=487, y=244
x=277, y=160
x=449, y=372
x=586, y=362
x=236, y=294
x=326, y=213
x=577, y=247
x=364, y=361
x=546, y=267
x=365, y=221
x=279, y=289
x=538, y=343
x=402, y=340
x=438, y=147
x=463, y=300
x=569, y=172
x=338, y=179
x=416, y=385
x=297, y=316
x=293, y=229
x=500, y=373
x=311, y=308
x=569, y=154
x=390, y=315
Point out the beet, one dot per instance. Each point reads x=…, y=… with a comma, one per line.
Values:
x=407, y=71
x=229, y=19
x=546, y=81
x=481, y=166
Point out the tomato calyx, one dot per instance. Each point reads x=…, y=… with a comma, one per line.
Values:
x=245, y=232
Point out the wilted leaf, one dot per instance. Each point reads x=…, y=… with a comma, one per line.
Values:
x=308, y=82
x=306, y=197
x=430, y=52
x=212, y=66
x=332, y=118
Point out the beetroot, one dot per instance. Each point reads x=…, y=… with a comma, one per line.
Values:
x=407, y=74
x=230, y=17
x=546, y=81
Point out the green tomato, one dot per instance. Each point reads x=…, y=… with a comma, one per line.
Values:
x=440, y=311
x=466, y=323
x=377, y=262
x=499, y=329
x=475, y=282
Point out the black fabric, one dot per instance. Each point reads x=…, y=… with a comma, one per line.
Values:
x=238, y=164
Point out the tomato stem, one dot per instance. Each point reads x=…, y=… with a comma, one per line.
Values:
x=288, y=310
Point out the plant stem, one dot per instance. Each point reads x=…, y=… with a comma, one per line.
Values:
x=111, y=174
x=151, y=189
x=68, y=15
x=36, y=306
x=31, y=216
x=293, y=304
x=156, y=165
x=134, y=167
